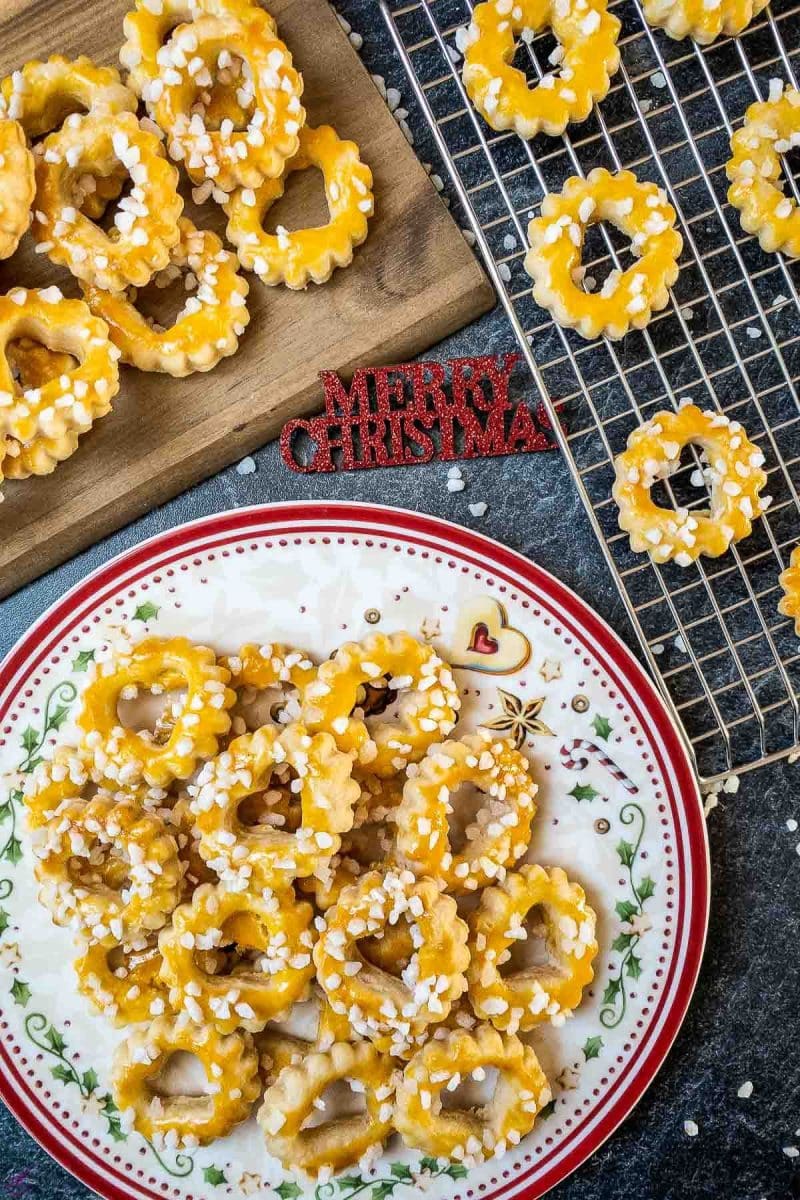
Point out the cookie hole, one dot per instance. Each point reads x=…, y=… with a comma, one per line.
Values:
x=391, y=951
x=302, y=205
x=34, y=364
x=104, y=868
x=224, y=93
x=689, y=485
x=276, y=806
x=466, y=802
x=111, y=197
x=276, y=706
x=596, y=261
x=473, y=1092
x=150, y=712
x=543, y=46
x=162, y=301
x=529, y=952
x=182, y=1074
x=342, y=1099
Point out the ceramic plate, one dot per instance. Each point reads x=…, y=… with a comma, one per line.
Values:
x=618, y=809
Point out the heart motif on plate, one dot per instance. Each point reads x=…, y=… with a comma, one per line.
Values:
x=484, y=641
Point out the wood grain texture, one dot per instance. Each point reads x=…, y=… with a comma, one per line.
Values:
x=412, y=282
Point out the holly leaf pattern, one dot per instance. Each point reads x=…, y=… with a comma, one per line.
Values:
x=456, y=1171
x=21, y=992
x=30, y=739
x=4, y=921
x=57, y=717
x=626, y=909
x=82, y=660
x=602, y=727
x=90, y=1081
x=401, y=1171
x=5, y=811
x=646, y=888
x=633, y=967
x=145, y=612
x=547, y=1111
x=115, y=1128
x=349, y=1183
x=55, y=1041
x=429, y=1164
x=583, y=791
x=12, y=851
x=214, y=1176
x=626, y=852
x=612, y=991
x=289, y=1190
x=592, y=1047
x=621, y=942
x=383, y=1189
x=62, y=1074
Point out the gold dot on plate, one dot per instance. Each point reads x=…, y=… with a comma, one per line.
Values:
x=580, y=703
x=372, y=616
x=602, y=825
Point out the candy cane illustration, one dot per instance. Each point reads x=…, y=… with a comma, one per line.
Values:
x=579, y=762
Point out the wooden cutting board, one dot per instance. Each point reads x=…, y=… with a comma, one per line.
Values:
x=412, y=282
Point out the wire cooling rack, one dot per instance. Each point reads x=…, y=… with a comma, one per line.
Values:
x=727, y=662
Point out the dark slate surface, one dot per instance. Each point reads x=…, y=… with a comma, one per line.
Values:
x=743, y=1023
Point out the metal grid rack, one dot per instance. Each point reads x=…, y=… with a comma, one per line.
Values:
x=726, y=661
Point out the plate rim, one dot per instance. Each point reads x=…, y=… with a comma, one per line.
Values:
x=688, y=795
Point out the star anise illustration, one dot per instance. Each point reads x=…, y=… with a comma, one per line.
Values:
x=519, y=719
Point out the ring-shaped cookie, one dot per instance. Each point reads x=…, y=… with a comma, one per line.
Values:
x=41, y=95
x=771, y=128
x=122, y=982
x=228, y=156
x=125, y=755
x=500, y=831
x=147, y=28
x=146, y=223
x=587, y=35
x=266, y=855
x=232, y=1083
x=297, y=256
x=205, y=331
x=789, y=604
x=393, y=1012
x=32, y=366
x=701, y=20
x=336, y=1143
x=68, y=404
x=107, y=869
x=275, y=929
x=270, y=667
x=17, y=186
x=628, y=298
x=467, y=1134
x=547, y=991
x=734, y=474
x=425, y=698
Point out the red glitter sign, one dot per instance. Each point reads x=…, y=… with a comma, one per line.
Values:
x=412, y=413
